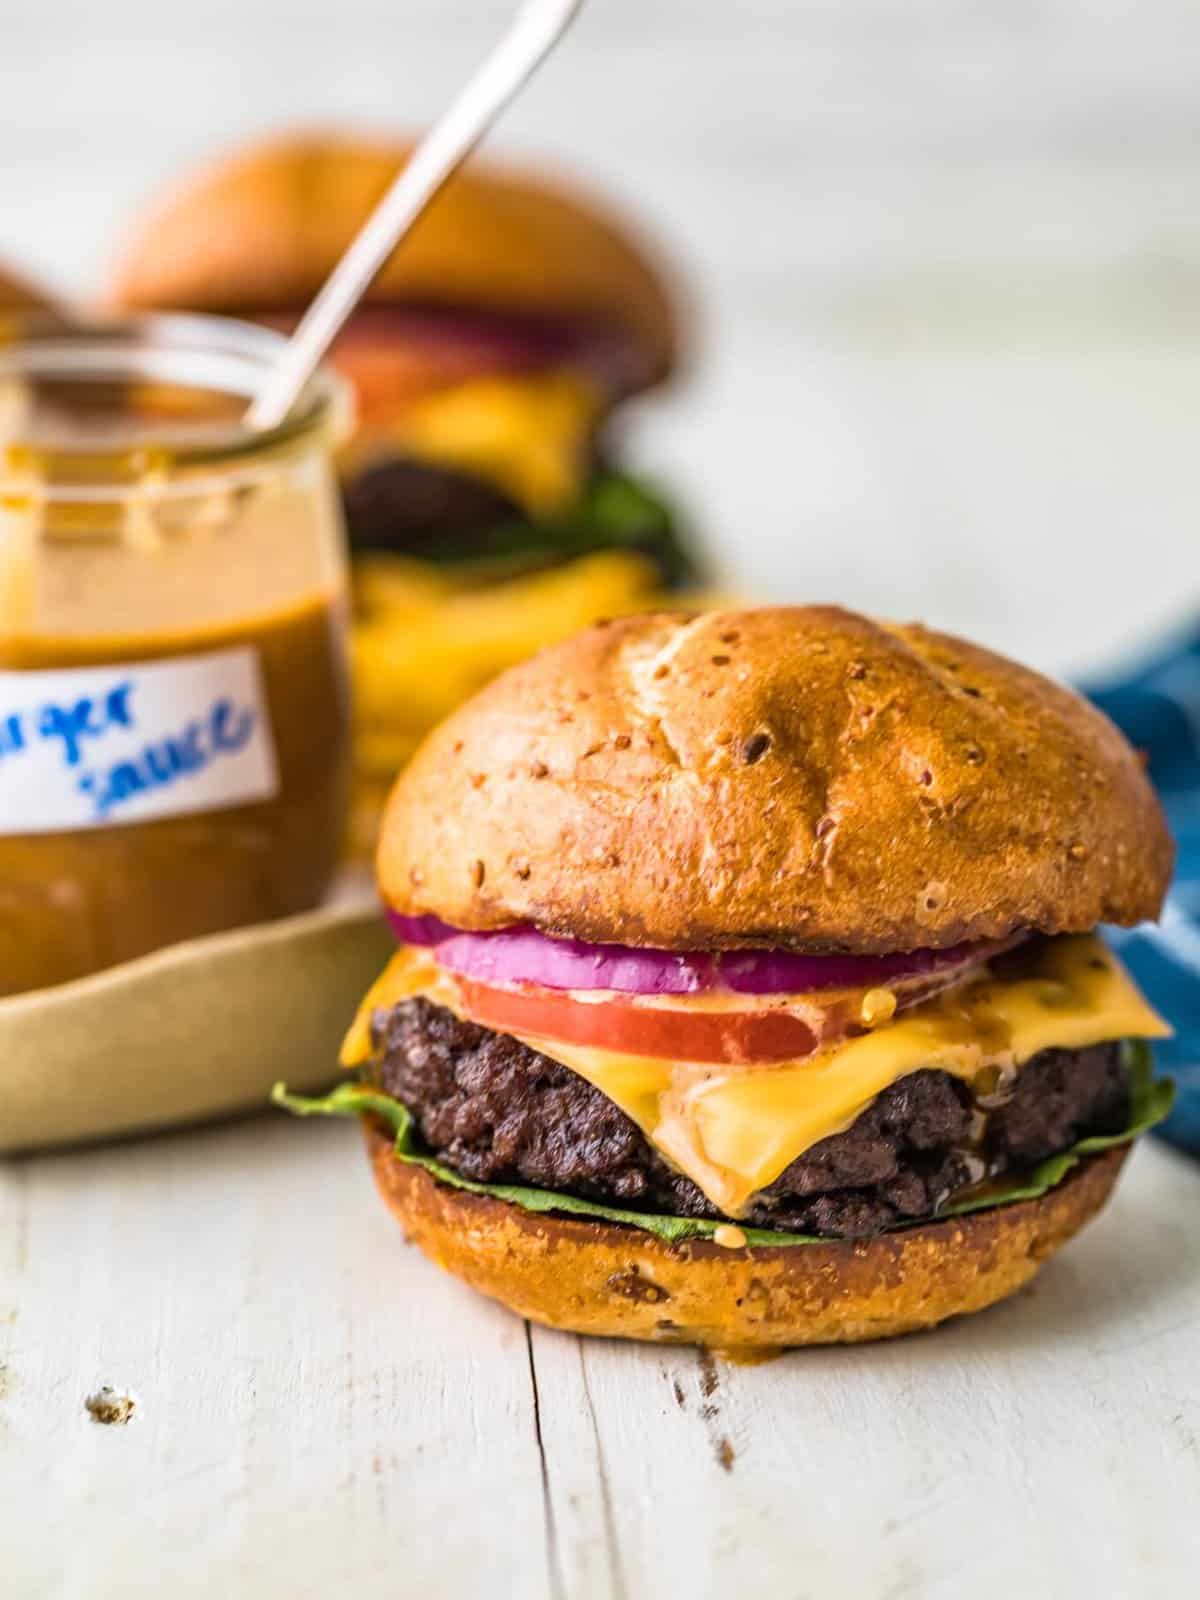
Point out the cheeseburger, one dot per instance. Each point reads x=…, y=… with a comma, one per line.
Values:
x=749, y=990
x=487, y=357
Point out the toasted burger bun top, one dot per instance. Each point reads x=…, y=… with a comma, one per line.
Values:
x=798, y=776
x=262, y=229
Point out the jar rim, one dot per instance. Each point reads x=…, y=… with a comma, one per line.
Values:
x=191, y=351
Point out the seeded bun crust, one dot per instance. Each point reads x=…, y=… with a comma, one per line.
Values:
x=798, y=777
x=602, y=1278
x=261, y=230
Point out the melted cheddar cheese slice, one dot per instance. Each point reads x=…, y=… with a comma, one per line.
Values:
x=734, y=1130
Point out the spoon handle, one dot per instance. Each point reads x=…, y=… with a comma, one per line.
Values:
x=533, y=33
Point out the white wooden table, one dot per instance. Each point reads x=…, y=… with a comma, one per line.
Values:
x=318, y=1411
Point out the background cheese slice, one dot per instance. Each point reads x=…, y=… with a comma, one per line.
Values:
x=528, y=434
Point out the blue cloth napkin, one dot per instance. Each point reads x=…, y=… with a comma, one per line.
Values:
x=1157, y=706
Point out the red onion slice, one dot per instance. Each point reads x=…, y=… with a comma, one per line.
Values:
x=427, y=930
x=466, y=343
x=523, y=955
x=781, y=972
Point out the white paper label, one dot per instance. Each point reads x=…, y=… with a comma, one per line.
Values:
x=101, y=747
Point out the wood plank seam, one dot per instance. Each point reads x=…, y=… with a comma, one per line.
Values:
x=615, y=1565
x=558, y=1590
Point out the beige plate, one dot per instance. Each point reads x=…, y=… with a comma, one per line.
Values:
x=198, y=1030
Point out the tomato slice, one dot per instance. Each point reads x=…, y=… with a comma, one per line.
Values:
x=723, y=1029
x=678, y=1033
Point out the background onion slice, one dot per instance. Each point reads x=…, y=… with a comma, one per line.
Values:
x=523, y=955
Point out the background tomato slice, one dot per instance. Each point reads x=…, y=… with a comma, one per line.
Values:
x=672, y=1033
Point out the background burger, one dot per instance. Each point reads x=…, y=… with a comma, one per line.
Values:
x=487, y=357
x=484, y=508
x=749, y=991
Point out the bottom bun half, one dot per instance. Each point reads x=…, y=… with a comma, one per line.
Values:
x=607, y=1279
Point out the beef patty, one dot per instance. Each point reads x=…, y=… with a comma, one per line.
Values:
x=498, y=1112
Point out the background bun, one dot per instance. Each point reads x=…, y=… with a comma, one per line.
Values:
x=261, y=229
x=16, y=294
x=599, y=1278
x=798, y=776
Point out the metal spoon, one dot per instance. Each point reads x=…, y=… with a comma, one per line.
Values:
x=535, y=30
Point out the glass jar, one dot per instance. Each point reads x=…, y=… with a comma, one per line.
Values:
x=174, y=705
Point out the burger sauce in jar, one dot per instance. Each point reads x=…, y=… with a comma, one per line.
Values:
x=174, y=716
